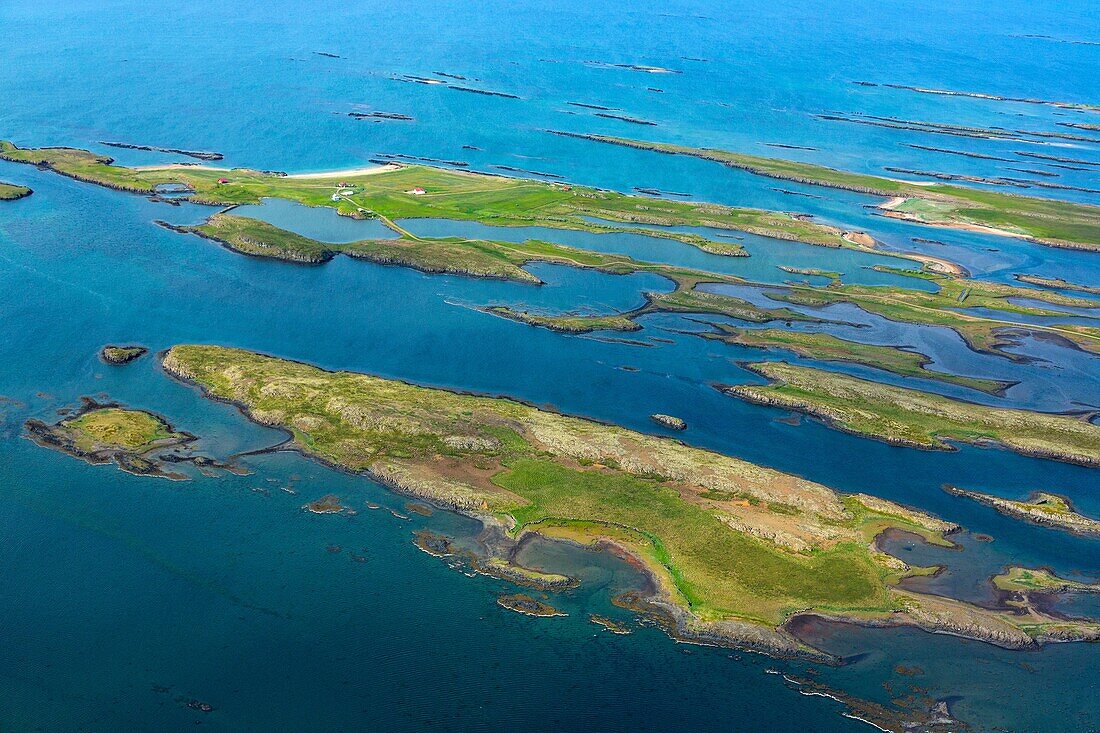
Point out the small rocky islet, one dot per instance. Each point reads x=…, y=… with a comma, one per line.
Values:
x=528, y=606
x=119, y=355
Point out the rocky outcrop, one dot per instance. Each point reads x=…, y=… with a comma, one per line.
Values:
x=119, y=355
x=199, y=154
x=668, y=421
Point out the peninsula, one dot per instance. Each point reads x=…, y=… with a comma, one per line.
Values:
x=948, y=306
x=452, y=255
x=1026, y=581
x=684, y=299
x=733, y=550
x=1057, y=283
x=1000, y=310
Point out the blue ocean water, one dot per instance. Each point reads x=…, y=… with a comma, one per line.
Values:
x=221, y=589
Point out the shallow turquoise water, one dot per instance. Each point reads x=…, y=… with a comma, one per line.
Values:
x=115, y=585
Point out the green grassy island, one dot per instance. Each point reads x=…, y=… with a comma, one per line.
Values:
x=398, y=191
x=1027, y=580
x=112, y=434
x=733, y=549
x=1050, y=510
x=567, y=323
x=988, y=332
x=826, y=347
x=811, y=272
x=11, y=191
x=919, y=419
x=1046, y=221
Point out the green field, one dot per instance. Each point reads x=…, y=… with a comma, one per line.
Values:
x=392, y=193
x=718, y=571
x=919, y=419
x=1052, y=222
x=136, y=431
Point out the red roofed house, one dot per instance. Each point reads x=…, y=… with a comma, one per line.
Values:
x=223, y=180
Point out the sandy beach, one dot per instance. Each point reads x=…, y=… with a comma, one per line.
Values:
x=343, y=173
x=348, y=172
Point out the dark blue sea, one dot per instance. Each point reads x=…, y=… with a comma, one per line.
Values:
x=122, y=598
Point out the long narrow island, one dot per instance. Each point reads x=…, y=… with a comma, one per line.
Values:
x=1045, y=221
x=734, y=550
x=908, y=417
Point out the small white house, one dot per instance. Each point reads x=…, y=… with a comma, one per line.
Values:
x=418, y=191
x=335, y=197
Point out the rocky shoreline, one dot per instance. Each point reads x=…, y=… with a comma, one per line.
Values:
x=198, y=154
